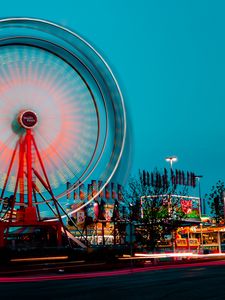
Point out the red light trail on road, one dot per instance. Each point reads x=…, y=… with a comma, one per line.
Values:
x=128, y=271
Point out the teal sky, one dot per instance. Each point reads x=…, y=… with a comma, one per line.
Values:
x=169, y=59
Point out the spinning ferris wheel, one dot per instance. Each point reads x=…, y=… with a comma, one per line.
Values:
x=62, y=118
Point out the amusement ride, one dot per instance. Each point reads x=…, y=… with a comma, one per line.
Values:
x=62, y=121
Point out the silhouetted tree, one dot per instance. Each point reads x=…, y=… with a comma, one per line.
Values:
x=216, y=202
x=158, y=215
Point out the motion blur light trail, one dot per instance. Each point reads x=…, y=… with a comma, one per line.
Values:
x=39, y=259
x=129, y=271
x=183, y=254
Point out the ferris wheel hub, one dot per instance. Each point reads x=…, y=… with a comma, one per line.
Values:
x=28, y=119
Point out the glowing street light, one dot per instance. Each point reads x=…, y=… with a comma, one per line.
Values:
x=171, y=160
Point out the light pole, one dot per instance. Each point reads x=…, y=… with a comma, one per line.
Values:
x=202, y=204
x=131, y=231
x=171, y=160
x=201, y=240
x=224, y=205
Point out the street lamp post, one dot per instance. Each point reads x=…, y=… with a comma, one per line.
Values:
x=131, y=231
x=201, y=239
x=202, y=204
x=171, y=160
x=224, y=205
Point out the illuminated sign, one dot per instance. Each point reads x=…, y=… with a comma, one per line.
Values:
x=181, y=242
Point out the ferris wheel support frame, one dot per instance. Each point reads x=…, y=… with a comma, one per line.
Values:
x=28, y=214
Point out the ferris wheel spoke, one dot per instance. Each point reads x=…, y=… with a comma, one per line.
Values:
x=6, y=144
x=58, y=155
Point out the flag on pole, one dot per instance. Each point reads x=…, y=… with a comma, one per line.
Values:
x=75, y=194
x=107, y=192
x=94, y=188
x=101, y=195
x=68, y=186
x=81, y=192
x=113, y=191
x=119, y=192
x=89, y=192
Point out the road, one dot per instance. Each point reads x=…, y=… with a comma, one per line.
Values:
x=196, y=281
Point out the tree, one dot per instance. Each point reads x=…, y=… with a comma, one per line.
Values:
x=216, y=201
x=157, y=215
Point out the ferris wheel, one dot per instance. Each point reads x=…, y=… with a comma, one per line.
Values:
x=62, y=117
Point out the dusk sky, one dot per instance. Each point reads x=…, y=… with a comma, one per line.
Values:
x=169, y=60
